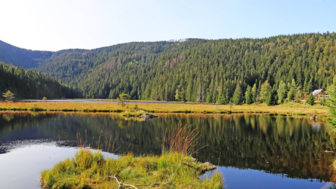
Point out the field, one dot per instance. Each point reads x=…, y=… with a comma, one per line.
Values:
x=136, y=106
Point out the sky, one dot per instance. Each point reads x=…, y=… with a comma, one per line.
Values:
x=87, y=24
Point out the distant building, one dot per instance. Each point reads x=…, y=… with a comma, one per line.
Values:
x=320, y=93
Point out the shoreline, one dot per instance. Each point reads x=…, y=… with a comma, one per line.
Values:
x=289, y=109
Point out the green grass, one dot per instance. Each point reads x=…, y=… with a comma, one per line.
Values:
x=91, y=170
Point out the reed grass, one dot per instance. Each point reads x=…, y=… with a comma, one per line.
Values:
x=181, y=140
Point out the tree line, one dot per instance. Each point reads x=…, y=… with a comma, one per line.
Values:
x=31, y=84
x=272, y=70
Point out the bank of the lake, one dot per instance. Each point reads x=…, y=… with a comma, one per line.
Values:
x=163, y=107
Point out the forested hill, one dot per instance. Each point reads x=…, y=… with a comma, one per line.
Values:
x=285, y=66
x=21, y=57
x=32, y=85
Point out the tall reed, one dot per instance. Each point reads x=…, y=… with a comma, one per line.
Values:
x=182, y=139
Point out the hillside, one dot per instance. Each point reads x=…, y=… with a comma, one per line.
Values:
x=21, y=57
x=31, y=85
x=201, y=70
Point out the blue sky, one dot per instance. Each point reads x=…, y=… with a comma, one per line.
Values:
x=61, y=24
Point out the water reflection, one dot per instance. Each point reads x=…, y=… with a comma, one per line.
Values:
x=293, y=147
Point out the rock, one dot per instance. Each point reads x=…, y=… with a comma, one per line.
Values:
x=208, y=166
x=148, y=116
x=199, y=166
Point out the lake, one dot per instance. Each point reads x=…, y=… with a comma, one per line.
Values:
x=251, y=151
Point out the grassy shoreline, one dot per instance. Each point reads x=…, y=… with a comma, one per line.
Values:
x=283, y=109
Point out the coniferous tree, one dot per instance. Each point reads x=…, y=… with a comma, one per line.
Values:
x=270, y=100
x=224, y=96
x=238, y=95
x=177, y=95
x=265, y=90
x=254, y=92
x=248, y=95
x=208, y=97
x=311, y=99
x=282, y=91
x=199, y=94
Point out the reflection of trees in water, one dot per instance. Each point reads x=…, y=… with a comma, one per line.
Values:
x=13, y=122
x=274, y=144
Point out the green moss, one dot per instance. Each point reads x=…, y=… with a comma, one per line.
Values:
x=91, y=170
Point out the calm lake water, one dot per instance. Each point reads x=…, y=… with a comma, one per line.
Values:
x=255, y=151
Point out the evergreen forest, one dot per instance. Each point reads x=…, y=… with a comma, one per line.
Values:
x=31, y=84
x=271, y=70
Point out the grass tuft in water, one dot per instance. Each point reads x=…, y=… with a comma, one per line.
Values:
x=91, y=170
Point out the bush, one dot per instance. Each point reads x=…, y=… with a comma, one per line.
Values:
x=44, y=98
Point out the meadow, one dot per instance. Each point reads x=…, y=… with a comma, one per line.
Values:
x=295, y=109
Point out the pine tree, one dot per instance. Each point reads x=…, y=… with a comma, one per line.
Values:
x=270, y=99
x=248, y=95
x=282, y=91
x=265, y=90
x=238, y=95
x=254, y=93
x=311, y=100
x=177, y=95
x=208, y=97
x=199, y=94
x=292, y=90
x=311, y=84
x=224, y=99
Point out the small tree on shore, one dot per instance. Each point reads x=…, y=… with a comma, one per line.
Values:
x=9, y=96
x=122, y=98
x=311, y=99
